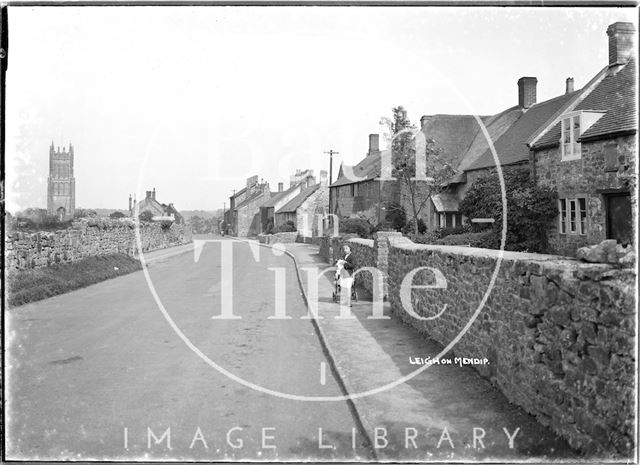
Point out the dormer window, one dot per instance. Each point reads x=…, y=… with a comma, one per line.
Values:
x=573, y=125
x=571, y=149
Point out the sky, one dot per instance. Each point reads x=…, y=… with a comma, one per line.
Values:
x=194, y=100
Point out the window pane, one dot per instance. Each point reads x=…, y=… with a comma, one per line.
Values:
x=572, y=216
x=583, y=215
x=563, y=216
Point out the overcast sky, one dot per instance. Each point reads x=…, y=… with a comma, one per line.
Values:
x=192, y=101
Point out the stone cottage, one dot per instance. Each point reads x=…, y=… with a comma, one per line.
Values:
x=243, y=216
x=298, y=181
x=308, y=209
x=589, y=154
x=358, y=189
x=160, y=211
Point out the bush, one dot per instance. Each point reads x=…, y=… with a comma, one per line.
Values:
x=396, y=217
x=31, y=285
x=531, y=208
x=288, y=226
x=146, y=216
x=358, y=226
x=269, y=228
x=478, y=239
x=117, y=215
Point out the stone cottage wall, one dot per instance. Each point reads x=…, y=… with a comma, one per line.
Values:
x=584, y=178
x=309, y=215
x=559, y=334
x=248, y=216
x=87, y=238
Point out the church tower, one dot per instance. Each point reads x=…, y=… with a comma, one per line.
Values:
x=61, y=194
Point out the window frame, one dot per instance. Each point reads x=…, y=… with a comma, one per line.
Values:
x=573, y=219
x=568, y=128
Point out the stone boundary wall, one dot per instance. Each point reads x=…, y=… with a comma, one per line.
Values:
x=364, y=253
x=281, y=237
x=559, y=334
x=87, y=237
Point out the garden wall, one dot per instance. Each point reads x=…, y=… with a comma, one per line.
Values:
x=559, y=334
x=87, y=237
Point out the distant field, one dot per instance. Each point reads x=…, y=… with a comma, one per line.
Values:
x=32, y=285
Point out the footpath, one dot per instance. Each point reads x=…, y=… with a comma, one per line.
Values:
x=444, y=413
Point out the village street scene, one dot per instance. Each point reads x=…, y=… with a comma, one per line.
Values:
x=396, y=238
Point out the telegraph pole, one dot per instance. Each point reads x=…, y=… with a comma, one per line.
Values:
x=331, y=153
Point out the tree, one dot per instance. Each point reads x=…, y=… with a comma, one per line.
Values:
x=530, y=208
x=407, y=144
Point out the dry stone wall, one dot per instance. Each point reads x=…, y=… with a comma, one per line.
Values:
x=559, y=334
x=85, y=238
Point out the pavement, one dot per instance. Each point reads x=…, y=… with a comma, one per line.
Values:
x=447, y=412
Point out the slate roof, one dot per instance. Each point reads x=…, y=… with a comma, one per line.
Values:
x=511, y=147
x=445, y=202
x=616, y=96
x=294, y=204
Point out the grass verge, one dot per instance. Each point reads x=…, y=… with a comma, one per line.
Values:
x=31, y=285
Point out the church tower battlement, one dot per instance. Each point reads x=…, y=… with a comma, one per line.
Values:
x=61, y=193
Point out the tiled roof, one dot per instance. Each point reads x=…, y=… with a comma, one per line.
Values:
x=445, y=202
x=452, y=134
x=616, y=96
x=277, y=196
x=367, y=169
x=251, y=198
x=298, y=200
x=496, y=126
x=511, y=147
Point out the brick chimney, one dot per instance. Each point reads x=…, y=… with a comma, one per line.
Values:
x=323, y=178
x=374, y=144
x=527, y=91
x=280, y=186
x=153, y=194
x=149, y=195
x=620, y=43
x=569, y=85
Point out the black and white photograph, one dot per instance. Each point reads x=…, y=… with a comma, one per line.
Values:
x=319, y=232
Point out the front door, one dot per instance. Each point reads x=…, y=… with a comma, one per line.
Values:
x=619, y=226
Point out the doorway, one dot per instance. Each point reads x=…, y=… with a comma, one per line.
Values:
x=619, y=223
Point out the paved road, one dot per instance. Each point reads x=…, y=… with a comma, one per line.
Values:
x=90, y=367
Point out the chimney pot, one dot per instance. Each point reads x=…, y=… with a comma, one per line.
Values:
x=424, y=120
x=569, y=85
x=153, y=195
x=527, y=91
x=374, y=144
x=620, y=42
